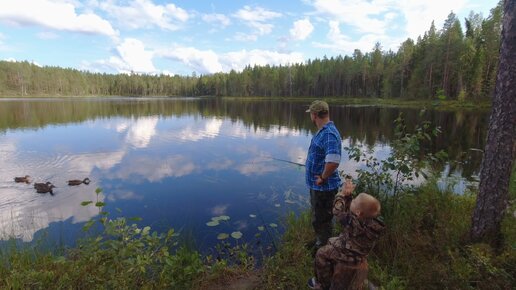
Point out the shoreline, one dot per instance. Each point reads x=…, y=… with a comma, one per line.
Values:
x=379, y=102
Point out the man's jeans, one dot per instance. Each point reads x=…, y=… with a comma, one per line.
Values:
x=322, y=204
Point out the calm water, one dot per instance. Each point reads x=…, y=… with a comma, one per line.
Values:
x=179, y=162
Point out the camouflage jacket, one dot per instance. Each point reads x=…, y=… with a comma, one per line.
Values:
x=358, y=237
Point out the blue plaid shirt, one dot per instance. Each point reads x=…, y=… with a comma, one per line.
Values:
x=325, y=147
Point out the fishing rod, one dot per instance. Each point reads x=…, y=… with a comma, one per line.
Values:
x=287, y=161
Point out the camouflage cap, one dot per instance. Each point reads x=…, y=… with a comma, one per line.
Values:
x=318, y=106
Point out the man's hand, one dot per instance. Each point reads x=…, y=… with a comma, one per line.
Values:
x=348, y=187
x=319, y=181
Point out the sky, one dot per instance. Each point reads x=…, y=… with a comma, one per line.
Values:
x=205, y=37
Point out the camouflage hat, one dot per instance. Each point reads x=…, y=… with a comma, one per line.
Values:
x=318, y=106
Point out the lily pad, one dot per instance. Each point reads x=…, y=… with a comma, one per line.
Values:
x=222, y=236
x=252, y=216
x=261, y=228
x=212, y=223
x=220, y=218
x=236, y=235
x=273, y=225
x=224, y=218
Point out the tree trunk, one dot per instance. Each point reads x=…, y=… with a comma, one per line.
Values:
x=500, y=151
x=430, y=82
x=445, y=77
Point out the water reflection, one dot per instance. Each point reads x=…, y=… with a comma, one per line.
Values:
x=178, y=163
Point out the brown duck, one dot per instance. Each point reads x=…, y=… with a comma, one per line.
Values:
x=74, y=182
x=44, y=187
x=25, y=179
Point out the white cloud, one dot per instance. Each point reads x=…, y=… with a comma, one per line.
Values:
x=237, y=60
x=155, y=169
x=419, y=14
x=203, y=61
x=362, y=15
x=146, y=14
x=220, y=164
x=256, y=18
x=245, y=37
x=207, y=61
x=211, y=129
x=302, y=29
x=54, y=15
x=120, y=194
x=140, y=133
x=375, y=18
x=256, y=166
x=342, y=43
x=217, y=19
x=131, y=57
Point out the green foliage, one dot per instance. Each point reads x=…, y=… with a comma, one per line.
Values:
x=122, y=256
x=440, y=95
x=292, y=264
x=407, y=161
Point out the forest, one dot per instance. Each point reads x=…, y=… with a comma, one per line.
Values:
x=453, y=63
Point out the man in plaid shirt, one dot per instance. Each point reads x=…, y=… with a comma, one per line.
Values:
x=321, y=170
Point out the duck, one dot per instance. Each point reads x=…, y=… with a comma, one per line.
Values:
x=44, y=187
x=74, y=182
x=22, y=179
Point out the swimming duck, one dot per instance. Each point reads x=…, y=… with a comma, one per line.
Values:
x=22, y=179
x=74, y=182
x=44, y=187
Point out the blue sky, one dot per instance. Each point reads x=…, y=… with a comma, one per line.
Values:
x=181, y=37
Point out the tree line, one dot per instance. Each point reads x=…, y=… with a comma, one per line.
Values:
x=446, y=63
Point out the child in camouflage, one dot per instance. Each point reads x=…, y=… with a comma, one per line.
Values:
x=342, y=263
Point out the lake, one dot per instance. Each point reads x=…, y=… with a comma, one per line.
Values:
x=179, y=162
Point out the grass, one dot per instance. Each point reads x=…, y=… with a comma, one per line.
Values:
x=425, y=247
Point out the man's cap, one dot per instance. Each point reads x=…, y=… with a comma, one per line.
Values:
x=318, y=106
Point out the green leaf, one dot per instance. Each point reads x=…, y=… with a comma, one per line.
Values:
x=261, y=228
x=100, y=204
x=220, y=218
x=135, y=219
x=236, y=235
x=145, y=231
x=222, y=236
x=88, y=225
x=212, y=223
x=85, y=203
x=98, y=190
x=273, y=225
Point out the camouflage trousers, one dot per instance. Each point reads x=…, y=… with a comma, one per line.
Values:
x=335, y=274
x=322, y=217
